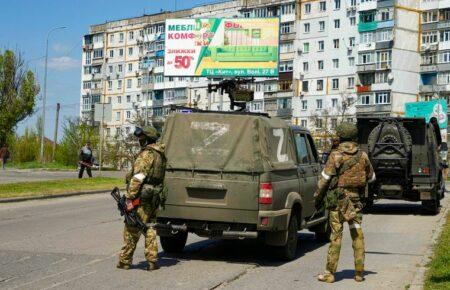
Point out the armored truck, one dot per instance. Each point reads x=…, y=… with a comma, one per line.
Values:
x=404, y=154
x=239, y=175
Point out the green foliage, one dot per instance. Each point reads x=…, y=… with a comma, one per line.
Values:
x=75, y=136
x=438, y=275
x=18, y=91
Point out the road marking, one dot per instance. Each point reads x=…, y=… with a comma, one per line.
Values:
x=70, y=280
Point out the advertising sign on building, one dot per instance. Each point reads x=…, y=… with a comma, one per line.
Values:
x=222, y=47
x=427, y=110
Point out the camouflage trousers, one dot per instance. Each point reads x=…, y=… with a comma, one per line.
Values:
x=337, y=224
x=131, y=237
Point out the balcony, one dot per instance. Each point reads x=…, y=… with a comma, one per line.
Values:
x=425, y=68
x=367, y=26
x=445, y=23
x=363, y=88
x=434, y=88
x=96, y=91
x=429, y=47
x=365, y=67
x=385, y=3
x=368, y=5
x=385, y=24
x=97, y=61
x=148, y=86
x=284, y=112
x=376, y=109
x=381, y=87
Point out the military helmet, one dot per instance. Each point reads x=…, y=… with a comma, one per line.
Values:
x=148, y=131
x=347, y=132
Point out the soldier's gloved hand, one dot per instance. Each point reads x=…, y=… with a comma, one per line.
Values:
x=129, y=204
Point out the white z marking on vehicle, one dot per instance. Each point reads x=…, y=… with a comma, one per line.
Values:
x=279, y=133
x=217, y=129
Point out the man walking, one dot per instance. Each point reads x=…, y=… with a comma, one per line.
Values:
x=85, y=160
x=144, y=187
x=4, y=155
x=341, y=186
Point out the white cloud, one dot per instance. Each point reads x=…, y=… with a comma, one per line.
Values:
x=63, y=63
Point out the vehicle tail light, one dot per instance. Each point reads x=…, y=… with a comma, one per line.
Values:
x=265, y=221
x=265, y=193
x=424, y=170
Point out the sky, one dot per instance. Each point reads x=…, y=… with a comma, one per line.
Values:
x=24, y=25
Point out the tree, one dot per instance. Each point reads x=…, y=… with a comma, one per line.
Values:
x=18, y=91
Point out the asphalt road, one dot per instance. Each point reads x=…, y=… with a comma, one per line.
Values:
x=72, y=243
x=24, y=175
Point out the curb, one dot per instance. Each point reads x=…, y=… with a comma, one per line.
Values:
x=49, y=196
x=419, y=276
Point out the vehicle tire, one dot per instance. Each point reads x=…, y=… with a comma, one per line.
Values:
x=368, y=203
x=174, y=243
x=288, y=252
x=431, y=206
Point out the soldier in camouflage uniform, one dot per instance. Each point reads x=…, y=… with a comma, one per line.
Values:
x=348, y=170
x=144, y=182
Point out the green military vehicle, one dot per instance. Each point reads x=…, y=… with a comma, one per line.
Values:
x=404, y=154
x=239, y=175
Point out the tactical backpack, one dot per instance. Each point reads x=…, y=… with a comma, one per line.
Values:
x=335, y=197
x=154, y=190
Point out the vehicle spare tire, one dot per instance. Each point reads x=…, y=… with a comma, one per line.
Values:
x=390, y=133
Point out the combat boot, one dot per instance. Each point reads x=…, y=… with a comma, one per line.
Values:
x=326, y=277
x=123, y=266
x=359, y=276
x=152, y=266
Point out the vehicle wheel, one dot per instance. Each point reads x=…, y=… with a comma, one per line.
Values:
x=289, y=251
x=174, y=243
x=431, y=206
x=368, y=203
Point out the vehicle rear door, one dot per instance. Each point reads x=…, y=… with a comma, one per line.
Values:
x=307, y=171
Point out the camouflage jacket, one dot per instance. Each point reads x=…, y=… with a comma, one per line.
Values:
x=149, y=167
x=353, y=179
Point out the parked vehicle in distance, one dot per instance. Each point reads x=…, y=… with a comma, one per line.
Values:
x=236, y=175
x=404, y=154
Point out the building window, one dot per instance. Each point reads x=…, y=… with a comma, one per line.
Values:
x=429, y=59
x=130, y=67
x=337, y=23
x=337, y=4
x=287, y=27
x=352, y=20
x=430, y=37
x=128, y=99
x=119, y=99
x=305, y=66
x=119, y=84
x=307, y=27
x=321, y=25
x=121, y=52
x=130, y=51
x=98, y=53
x=445, y=37
x=109, y=85
x=335, y=63
x=351, y=41
x=321, y=45
x=117, y=116
x=319, y=85
x=304, y=105
x=334, y=102
x=159, y=78
x=305, y=86
x=129, y=83
x=351, y=82
x=319, y=104
x=385, y=35
x=304, y=123
x=319, y=123
x=320, y=64
x=365, y=58
x=351, y=61
x=285, y=47
x=386, y=15
x=139, y=83
x=430, y=16
x=383, y=98
x=287, y=9
x=366, y=37
x=111, y=53
x=322, y=6
x=121, y=37
x=352, y=2
x=111, y=38
x=444, y=57
x=86, y=85
x=119, y=68
x=383, y=59
x=335, y=84
x=336, y=43
x=381, y=77
x=306, y=47
x=307, y=8
x=285, y=66
x=444, y=78
x=365, y=100
x=131, y=35
x=128, y=114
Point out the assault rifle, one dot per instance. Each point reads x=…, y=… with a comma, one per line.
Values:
x=131, y=217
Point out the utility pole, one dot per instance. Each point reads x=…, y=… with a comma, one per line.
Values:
x=55, y=139
x=45, y=94
x=100, y=155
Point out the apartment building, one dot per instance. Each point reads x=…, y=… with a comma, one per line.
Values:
x=435, y=50
x=325, y=64
x=123, y=64
x=388, y=56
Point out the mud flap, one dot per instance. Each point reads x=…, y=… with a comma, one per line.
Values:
x=278, y=238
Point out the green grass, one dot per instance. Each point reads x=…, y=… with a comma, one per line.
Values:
x=38, y=188
x=438, y=274
x=38, y=165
